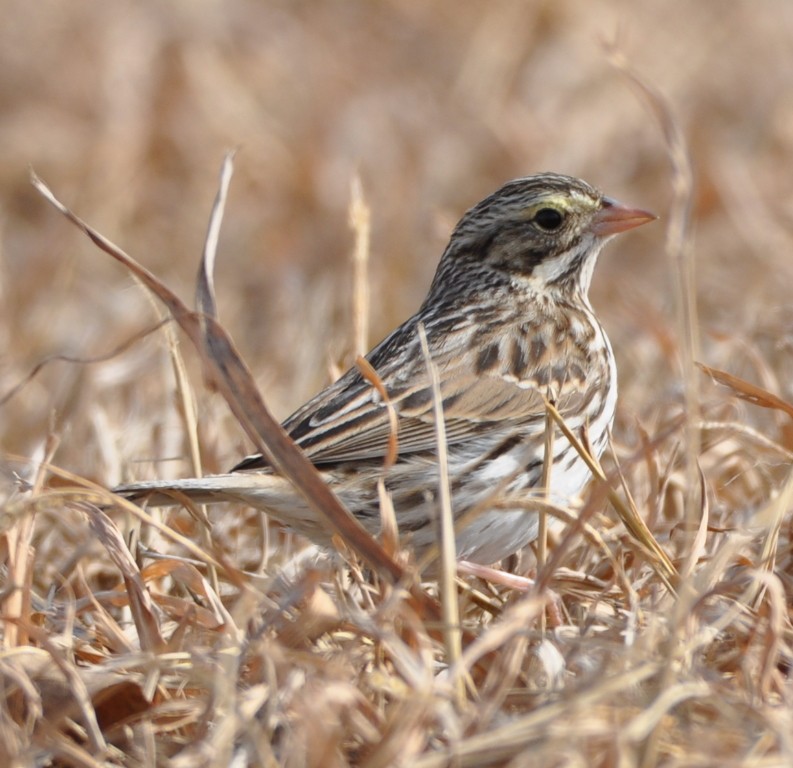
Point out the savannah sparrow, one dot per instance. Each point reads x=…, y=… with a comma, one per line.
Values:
x=508, y=322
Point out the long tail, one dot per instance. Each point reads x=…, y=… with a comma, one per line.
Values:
x=270, y=493
x=253, y=489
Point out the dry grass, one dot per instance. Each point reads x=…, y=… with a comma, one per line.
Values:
x=134, y=639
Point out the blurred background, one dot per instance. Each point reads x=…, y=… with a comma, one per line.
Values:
x=126, y=109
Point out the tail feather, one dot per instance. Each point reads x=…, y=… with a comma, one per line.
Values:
x=261, y=490
x=250, y=488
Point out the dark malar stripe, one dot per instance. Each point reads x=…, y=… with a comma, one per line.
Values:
x=575, y=264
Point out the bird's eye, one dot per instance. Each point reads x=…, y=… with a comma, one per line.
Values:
x=548, y=219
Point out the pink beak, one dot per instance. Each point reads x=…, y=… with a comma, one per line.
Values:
x=614, y=217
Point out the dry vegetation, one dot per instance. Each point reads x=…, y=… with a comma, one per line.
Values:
x=131, y=638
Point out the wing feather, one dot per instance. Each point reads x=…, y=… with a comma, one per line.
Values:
x=348, y=421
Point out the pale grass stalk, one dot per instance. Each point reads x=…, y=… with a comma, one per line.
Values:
x=680, y=250
x=205, y=302
x=360, y=221
x=448, y=556
x=772, y=516
x=542, y=521
x=205, y=289
x=188, y=409
x=698, y=541
x=19, y=539
x=680, y=253
x=773, y=641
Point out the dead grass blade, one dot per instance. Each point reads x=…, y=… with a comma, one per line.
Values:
x=81, y=490
x=140, y=602
x=104, y=357
x=205, y=285
x=542, y=526
x=18, y=538
x=747, y=391
x=370, y=374
x=697, y=548
x=206, y=303
x=629, y=515
x=235, y=382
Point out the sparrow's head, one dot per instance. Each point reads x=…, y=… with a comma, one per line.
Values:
x=544, y=231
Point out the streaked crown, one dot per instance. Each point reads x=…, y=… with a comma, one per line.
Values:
x=539, y=232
